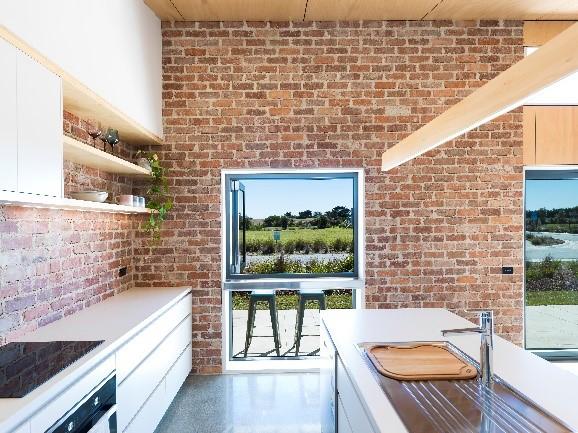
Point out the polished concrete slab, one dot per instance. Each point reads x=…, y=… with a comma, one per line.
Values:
x=245, y=403
x=552, y=326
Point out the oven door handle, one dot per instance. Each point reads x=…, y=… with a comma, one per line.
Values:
x=103, y=424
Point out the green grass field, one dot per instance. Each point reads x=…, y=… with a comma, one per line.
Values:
x=553, y=297
x=289, y=301
x=328, y=235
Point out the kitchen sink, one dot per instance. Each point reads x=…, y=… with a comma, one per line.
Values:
x=464, y=406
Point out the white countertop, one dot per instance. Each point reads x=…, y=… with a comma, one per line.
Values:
x=542, y=382
x=114, y=320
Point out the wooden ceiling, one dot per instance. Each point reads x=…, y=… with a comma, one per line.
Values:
x=334, y=10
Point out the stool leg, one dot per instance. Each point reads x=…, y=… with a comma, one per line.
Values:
x=299, y=325
x=275, y=325
x=250, y=324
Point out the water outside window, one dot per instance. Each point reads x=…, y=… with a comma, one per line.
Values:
x=286, y=228
x=551, y=252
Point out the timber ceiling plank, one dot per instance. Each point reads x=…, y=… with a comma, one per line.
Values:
x=505, y=9
x=335, y=10
x=241, y=10
x=164, y=9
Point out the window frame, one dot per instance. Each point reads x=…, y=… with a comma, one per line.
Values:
x=353, y=280
x=537, y=172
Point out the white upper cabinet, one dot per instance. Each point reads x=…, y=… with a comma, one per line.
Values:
x=8, y=127
x=39, y=111
x=30, y=125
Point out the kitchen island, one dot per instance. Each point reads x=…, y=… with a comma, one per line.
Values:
x=360, y=404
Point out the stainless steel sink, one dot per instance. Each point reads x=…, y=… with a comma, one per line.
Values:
x=464, y=406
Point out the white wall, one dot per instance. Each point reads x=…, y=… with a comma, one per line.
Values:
x=114, y=47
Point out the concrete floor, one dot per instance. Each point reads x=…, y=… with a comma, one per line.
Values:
x=552, y=326
x=262, y=342
x=245, y=403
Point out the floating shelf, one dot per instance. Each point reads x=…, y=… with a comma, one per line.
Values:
x=32, y=200
x=82, y=153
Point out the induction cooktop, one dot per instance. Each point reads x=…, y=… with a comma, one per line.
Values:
x=25, y=366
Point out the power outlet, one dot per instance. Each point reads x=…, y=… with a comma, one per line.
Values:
x=122, y=271
x=507, y=270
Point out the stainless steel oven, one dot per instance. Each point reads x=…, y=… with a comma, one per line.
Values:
x=95, y=413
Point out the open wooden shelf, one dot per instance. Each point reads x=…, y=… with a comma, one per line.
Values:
x=82, y=153
x=32, y=200
x=85, y=103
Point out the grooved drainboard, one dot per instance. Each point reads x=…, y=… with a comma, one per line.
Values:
x=463, y=406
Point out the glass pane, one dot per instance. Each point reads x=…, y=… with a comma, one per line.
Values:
x=298, y=226
x=551, y=251
x=285, y=316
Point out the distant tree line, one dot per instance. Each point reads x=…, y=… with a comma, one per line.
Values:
x=339, y=216
x=553, y=220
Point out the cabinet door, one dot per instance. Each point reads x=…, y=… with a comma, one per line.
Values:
x=39, y=129
x=556, y=135
x=8, y=127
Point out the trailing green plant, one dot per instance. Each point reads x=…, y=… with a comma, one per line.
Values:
x=158, y=199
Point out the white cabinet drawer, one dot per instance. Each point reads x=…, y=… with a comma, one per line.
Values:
x=141, y=345
x=358, y=418
x=178, y=373
x=8, y=118
x=151, y=413
x=136, y=388
x=53, y=411
x=343, y=425
x=39, y=119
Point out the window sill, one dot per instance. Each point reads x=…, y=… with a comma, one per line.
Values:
x=294, y=284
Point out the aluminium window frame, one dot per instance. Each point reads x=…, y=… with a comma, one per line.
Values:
x=350, y=280
x=536, y=172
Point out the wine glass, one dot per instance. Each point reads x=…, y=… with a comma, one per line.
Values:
x=94, y=130
x=111, y=137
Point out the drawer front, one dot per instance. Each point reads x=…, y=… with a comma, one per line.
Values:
x=151, y=413
x=358, y=419
x=52, y=412
x=141, y=345
x=343, y=425
x=136, y=388
x=178, y=373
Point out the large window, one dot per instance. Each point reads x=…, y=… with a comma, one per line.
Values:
x=292, y=248
x=551, y=255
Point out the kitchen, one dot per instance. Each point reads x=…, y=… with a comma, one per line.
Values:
x=274, y=109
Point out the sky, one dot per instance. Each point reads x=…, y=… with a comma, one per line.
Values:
x=551, y=194
x=265, y=197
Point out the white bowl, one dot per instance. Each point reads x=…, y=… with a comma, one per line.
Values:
x=97, y=196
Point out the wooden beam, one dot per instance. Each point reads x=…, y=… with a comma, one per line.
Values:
x=555, y=60
x=537, y=33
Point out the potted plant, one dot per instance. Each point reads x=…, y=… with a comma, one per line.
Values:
x=158, y=197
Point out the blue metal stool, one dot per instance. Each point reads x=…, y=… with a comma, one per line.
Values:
x=262, y=296
x=319, y=297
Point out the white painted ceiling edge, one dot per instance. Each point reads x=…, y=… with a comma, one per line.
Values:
x=551, y=63
x=112, y=47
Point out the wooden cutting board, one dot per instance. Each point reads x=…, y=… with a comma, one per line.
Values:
x=422, y=361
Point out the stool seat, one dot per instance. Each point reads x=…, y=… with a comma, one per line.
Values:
x=305, y=296
x=262, y=296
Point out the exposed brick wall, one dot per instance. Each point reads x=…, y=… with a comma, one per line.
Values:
x=56, y=262
x=325, y=94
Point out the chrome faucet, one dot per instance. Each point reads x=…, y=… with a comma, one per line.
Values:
x=486, y=331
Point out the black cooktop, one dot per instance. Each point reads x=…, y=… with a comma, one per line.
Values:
x=25, y=366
